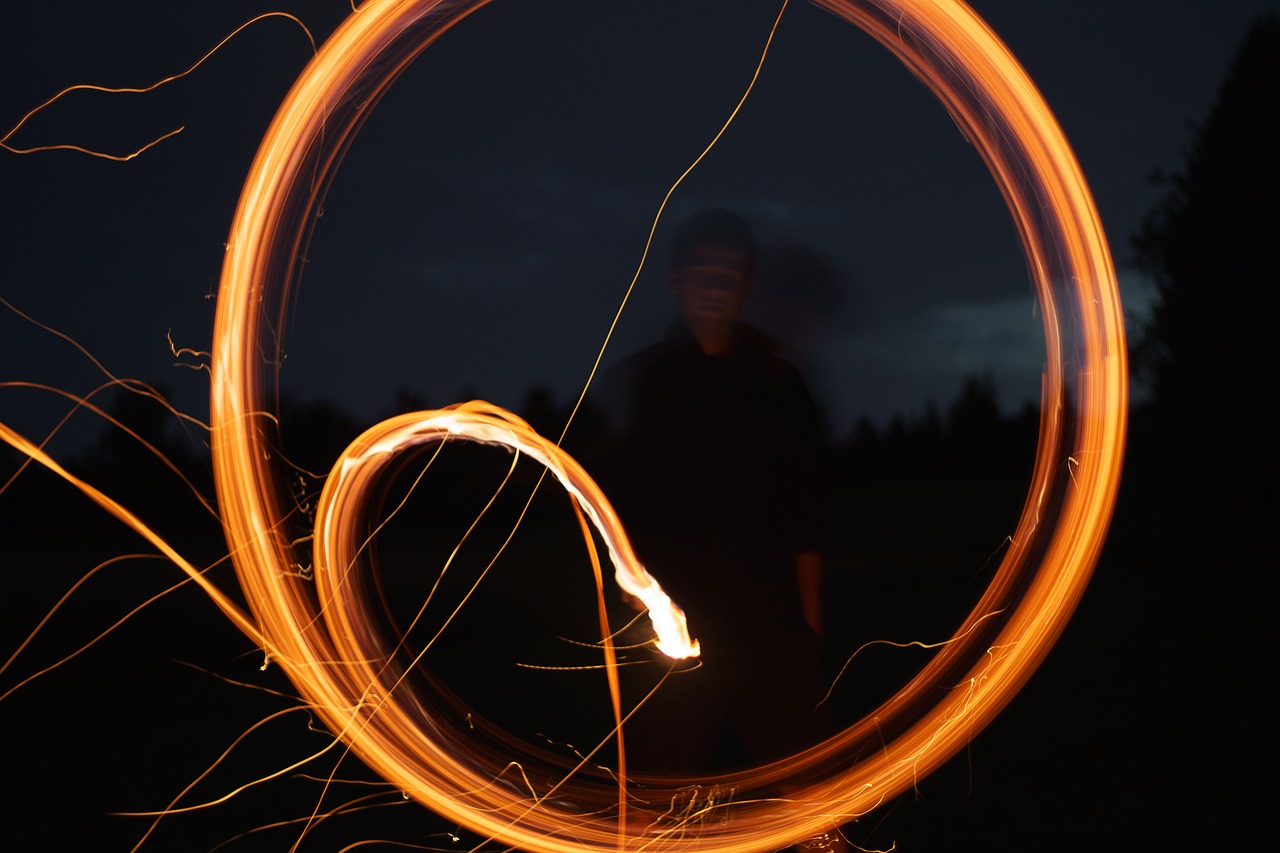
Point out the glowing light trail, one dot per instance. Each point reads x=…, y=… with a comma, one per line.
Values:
x=336, y=543
x=133, y=90
x=962, y=688
x=318, y=631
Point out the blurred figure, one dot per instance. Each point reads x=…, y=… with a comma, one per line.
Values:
x=715, y=470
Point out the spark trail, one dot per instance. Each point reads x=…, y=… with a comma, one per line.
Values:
x=1010, y=630
x=317, y=630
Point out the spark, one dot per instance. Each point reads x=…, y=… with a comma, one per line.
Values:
x=85, y=402
x=133, y=90
x=180, y=352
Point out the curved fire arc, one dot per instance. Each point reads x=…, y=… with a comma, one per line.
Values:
x=1036, y=587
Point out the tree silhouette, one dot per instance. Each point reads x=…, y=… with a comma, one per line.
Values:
x=1210, y=247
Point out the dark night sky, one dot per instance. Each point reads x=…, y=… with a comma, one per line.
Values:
x=489, y=216
x=512, y=174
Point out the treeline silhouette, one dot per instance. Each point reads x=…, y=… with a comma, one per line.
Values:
x=970, y=441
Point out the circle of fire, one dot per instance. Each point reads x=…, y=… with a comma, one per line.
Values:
x=317, y=631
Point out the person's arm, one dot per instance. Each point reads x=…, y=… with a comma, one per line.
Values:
x=809, y=581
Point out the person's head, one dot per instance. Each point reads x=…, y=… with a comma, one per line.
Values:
x=713, y=259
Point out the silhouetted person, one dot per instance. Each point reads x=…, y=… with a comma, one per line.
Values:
x=715, y=473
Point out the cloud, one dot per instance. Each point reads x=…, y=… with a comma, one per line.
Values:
x=898, y=368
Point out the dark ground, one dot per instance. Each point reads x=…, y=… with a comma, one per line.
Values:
x=1133, y=735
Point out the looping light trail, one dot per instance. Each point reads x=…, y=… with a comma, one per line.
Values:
x=339, y=534
x=318, y=632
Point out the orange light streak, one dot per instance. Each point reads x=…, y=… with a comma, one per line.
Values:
x=962, y=688
x=338, y=541
x=318, y=629
x=133, y=90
